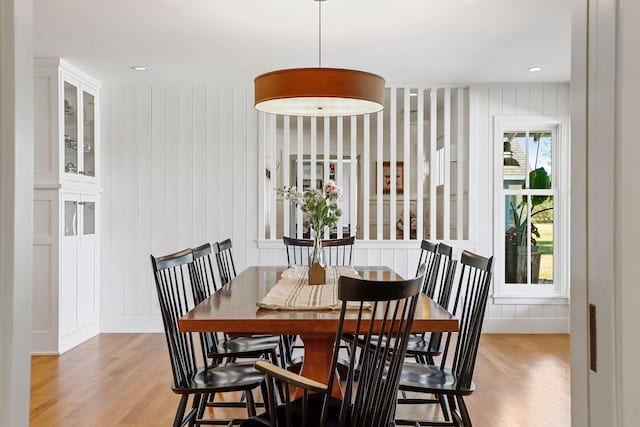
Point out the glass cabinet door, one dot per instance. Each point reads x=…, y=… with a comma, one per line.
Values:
x=89, y=218
x=88, y=109
x=70, y=128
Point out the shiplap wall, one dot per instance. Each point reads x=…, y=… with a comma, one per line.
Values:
x=486, y=102
x=180, y=167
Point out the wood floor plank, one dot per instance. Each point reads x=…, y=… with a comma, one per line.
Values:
x=124, y=380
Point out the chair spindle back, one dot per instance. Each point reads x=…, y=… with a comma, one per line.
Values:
x=469, y=304
x=393, y=306
x=174, y=297
x=224, y=258
x=336, y=251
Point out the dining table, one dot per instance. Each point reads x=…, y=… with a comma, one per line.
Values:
x=233, y=310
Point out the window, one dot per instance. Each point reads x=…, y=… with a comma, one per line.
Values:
x=531, y=227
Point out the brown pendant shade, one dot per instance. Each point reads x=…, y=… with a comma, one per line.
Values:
x=319, y=92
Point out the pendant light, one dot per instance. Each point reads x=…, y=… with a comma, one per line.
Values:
x=319, y=91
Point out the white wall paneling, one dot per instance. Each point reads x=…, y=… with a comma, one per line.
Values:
x=180, y=170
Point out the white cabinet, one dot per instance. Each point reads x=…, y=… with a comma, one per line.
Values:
x=78, y=274
x=67, y=123
x=66, y=201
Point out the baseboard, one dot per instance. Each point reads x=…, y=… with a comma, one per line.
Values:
x=526, y=326
x=44, y=343
x=75, y=338
x=131, y=325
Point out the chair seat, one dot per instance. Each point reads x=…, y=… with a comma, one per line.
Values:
x=223, y=378
x=253, y=344
x=314, y=408
x=419, y=344
x=431, y=379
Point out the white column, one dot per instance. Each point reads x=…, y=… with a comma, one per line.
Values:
x=366, y=164
x=433, y=194
x=339, y=175
x=446, y=202
x=379, y=157
x=353, y=193
x=392, y=163
x=406, y=157
x=286, y=174
x=420, y=168
x=299, y=155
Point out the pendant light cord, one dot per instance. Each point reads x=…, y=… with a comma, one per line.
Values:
x=320, y=34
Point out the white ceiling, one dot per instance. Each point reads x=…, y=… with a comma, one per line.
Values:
x=413, y=42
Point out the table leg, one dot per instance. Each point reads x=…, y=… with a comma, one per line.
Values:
x=318, y=350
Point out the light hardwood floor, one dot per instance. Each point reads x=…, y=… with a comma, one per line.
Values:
x=124, y=380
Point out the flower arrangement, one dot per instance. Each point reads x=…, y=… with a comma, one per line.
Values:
x=319, y=208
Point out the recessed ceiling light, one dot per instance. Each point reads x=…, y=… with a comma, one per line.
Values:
x=535, y=69
x=139, y=68
x=413, y=94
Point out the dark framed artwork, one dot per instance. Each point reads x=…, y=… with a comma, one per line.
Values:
x=386, y=177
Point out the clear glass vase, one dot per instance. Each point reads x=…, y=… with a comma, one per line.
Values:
x=317, y=253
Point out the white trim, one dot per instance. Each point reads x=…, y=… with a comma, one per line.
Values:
x=559, y=125
x=77, y=337
x=524, y=299
x=116, y=325
x=578, y=314
x=526, y=326
x=16, y=215
x=63, y=63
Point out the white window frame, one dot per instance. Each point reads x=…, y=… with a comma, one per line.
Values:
x=558, y=292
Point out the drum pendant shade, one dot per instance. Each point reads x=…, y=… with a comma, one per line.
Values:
x=319, y=92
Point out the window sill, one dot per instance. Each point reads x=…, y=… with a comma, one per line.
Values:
x=531, y=299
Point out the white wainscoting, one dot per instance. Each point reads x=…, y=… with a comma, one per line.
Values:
x=180, y=167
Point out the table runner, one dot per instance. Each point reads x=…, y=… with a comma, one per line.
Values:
x=293, y=292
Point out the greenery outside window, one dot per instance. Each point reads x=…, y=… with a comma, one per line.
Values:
x=530, y=215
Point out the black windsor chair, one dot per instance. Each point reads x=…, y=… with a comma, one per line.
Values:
x=369, y=396
x=336, y=251
x=171, y=279
x=220, y=347
x=453, y=377
x=224, y=259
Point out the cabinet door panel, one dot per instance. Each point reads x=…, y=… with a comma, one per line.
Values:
x=68, y=285
x=86, y=280
x=89, y=134
x=71, y=132
x=88, y=218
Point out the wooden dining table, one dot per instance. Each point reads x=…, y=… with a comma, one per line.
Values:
x=233, y=310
